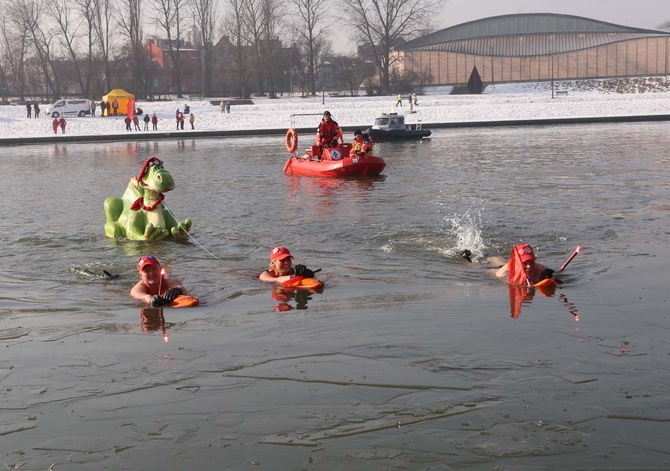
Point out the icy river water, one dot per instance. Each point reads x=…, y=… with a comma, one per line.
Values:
x=410, y=359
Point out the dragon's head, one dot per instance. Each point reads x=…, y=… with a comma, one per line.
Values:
x=154, y=177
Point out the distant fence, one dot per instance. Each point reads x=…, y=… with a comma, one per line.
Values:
x=232, y=101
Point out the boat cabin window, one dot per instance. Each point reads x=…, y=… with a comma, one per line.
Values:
x=381, y=121
x=397, y=121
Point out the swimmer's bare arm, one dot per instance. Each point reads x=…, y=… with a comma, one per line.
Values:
x=140, y=293
x=268, y=278
x=502, y=271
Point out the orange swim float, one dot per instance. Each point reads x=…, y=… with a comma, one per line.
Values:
x=184, y=300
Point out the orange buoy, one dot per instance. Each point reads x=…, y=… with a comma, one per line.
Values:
x=291, y=140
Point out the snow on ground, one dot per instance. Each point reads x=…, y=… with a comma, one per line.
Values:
x=498, y=103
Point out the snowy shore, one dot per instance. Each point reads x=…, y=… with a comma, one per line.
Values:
x=507, y=102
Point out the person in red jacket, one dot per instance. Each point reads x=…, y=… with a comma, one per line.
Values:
x=328, y=133
x=54, y=125
x=62, y=124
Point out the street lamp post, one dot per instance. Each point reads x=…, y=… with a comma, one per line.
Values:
x=552, y=72
x=491, y=51
x=323, y=85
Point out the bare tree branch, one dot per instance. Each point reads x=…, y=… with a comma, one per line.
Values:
x=169, y=15
x=311, y=14
x=205, y=16
x=381, y=23
x=103, y=25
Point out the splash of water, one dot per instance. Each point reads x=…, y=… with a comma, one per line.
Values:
x=466, y=230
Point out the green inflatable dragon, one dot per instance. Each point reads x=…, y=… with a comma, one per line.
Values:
x=139, y=214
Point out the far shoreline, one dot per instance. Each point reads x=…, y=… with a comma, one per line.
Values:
x=152, y=136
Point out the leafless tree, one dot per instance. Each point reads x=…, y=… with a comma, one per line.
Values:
x=205, y=16
x=87, y=10
x=240, y=61
x=170, y=16
x=261, y=25
x=351, y=71
x=103, y=23
x=252, y=18
x=30, y=17
x=310, y=14
x=381, y=23
x=273, y=61
x=13, y=53
x=129, y=16
x=70, y=36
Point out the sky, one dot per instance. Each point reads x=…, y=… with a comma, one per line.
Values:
x=637, y=13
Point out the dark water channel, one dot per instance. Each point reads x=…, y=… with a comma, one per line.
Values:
x=409, y=359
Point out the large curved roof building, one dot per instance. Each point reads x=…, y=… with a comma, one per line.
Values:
x=534, y=47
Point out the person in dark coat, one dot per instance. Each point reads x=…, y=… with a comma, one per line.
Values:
x=29, y=109
x=146, y=120
x=37, y=110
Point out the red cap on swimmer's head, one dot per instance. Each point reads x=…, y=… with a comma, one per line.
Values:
x=147, y=261
x=525, y=252
x=280, y=253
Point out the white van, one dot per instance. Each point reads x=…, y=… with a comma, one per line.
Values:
x=69, y=107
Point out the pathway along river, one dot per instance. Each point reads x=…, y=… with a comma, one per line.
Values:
x=410, y=358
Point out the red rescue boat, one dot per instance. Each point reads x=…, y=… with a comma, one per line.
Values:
x=334, y=162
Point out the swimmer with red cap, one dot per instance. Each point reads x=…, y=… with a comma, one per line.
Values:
x=281, y=267
x=522, y=269
x=154, y=287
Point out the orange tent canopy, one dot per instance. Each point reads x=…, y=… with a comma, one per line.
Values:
x=122, y=97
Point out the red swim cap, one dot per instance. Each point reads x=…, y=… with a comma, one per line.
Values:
x=525, y=252
x=280, y=253
x=147, y=261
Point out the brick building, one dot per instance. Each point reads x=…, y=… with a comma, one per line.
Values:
x=162, y=68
